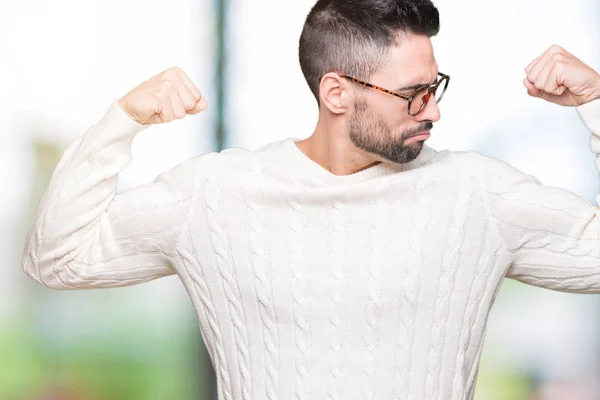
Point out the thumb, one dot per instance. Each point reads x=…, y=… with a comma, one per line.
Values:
x=200, y=106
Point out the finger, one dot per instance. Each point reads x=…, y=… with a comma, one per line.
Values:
x=178, y=107
x=531, y=89
x=543, y=78
x=553, y=53
x=200, y=106
x=531, y=64
x=560, y=90
x=554, y=83
x=166, y=110
x=190, y=85
x=535, y=92
x=189, y=102
x=535, y=70
x=156, y=108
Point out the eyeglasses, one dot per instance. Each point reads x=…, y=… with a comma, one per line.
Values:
x=424, y=94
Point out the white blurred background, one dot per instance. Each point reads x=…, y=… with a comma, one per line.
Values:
x=64, y=62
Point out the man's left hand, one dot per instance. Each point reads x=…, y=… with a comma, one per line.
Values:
x=559, y=77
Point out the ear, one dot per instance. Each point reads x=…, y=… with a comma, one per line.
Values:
x=334, y=94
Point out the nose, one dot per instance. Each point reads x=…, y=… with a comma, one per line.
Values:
x=431, y=112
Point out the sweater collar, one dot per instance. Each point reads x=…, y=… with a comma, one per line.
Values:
x=301, y=160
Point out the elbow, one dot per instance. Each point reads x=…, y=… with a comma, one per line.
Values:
x=41, y=272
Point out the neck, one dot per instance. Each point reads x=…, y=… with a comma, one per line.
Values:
x=331, y=148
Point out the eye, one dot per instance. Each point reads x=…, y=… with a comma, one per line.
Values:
x=413, y=93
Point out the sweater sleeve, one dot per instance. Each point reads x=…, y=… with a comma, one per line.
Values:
x=85, y=236
x=553, y=235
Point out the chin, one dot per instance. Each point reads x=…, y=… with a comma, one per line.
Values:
x=409, y=153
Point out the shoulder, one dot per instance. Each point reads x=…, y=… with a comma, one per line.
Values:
x=235, y=161
x=268, y=152
x=488, y=171
x=494, y=171
x=443, y=158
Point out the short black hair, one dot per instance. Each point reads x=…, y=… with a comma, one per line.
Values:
x=354, y=36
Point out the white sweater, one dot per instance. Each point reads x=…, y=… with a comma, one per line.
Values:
x=307, y=285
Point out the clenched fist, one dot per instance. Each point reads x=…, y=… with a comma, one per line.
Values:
x=163, y=98
x=559, y=77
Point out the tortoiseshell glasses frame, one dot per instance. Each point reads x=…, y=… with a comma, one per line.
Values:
x=431, y=89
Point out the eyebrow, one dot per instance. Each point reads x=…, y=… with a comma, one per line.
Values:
x=413, y=87
x=416, y=86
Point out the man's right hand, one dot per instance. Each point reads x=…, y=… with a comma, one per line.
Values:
x=163, y=98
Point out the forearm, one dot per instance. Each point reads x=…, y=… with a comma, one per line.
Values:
x=80, y=190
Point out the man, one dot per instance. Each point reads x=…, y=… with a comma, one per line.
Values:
x=356, y=263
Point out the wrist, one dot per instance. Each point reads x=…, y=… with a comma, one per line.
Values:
x=123, y=107
x=597, y=93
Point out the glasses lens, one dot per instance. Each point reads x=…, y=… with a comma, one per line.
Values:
x=423, y=96
x=419, y=101
x=441, y=90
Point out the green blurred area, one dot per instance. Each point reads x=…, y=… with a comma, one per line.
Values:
x=494, y=384
x=127, y=365
x=93, y=347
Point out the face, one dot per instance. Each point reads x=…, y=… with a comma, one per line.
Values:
x=379, y=122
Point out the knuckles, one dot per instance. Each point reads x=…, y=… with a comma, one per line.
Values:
x=556, y=49
x=170, y=78
x=172, y=72
x=166, y=84
x=557, y=57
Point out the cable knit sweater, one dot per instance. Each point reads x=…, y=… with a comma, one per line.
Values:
x=308, y=285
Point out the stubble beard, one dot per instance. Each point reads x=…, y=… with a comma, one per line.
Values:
x=371, y=133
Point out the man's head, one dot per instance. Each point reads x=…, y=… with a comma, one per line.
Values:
x=385, y=43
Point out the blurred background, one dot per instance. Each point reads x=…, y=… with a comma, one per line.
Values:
x=62, y=64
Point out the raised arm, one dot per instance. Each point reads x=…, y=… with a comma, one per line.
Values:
x=553, y=235
x=83, y=234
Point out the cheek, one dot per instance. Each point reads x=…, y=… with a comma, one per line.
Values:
x=402, y=120
x=394, y=111
x=398, y=121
